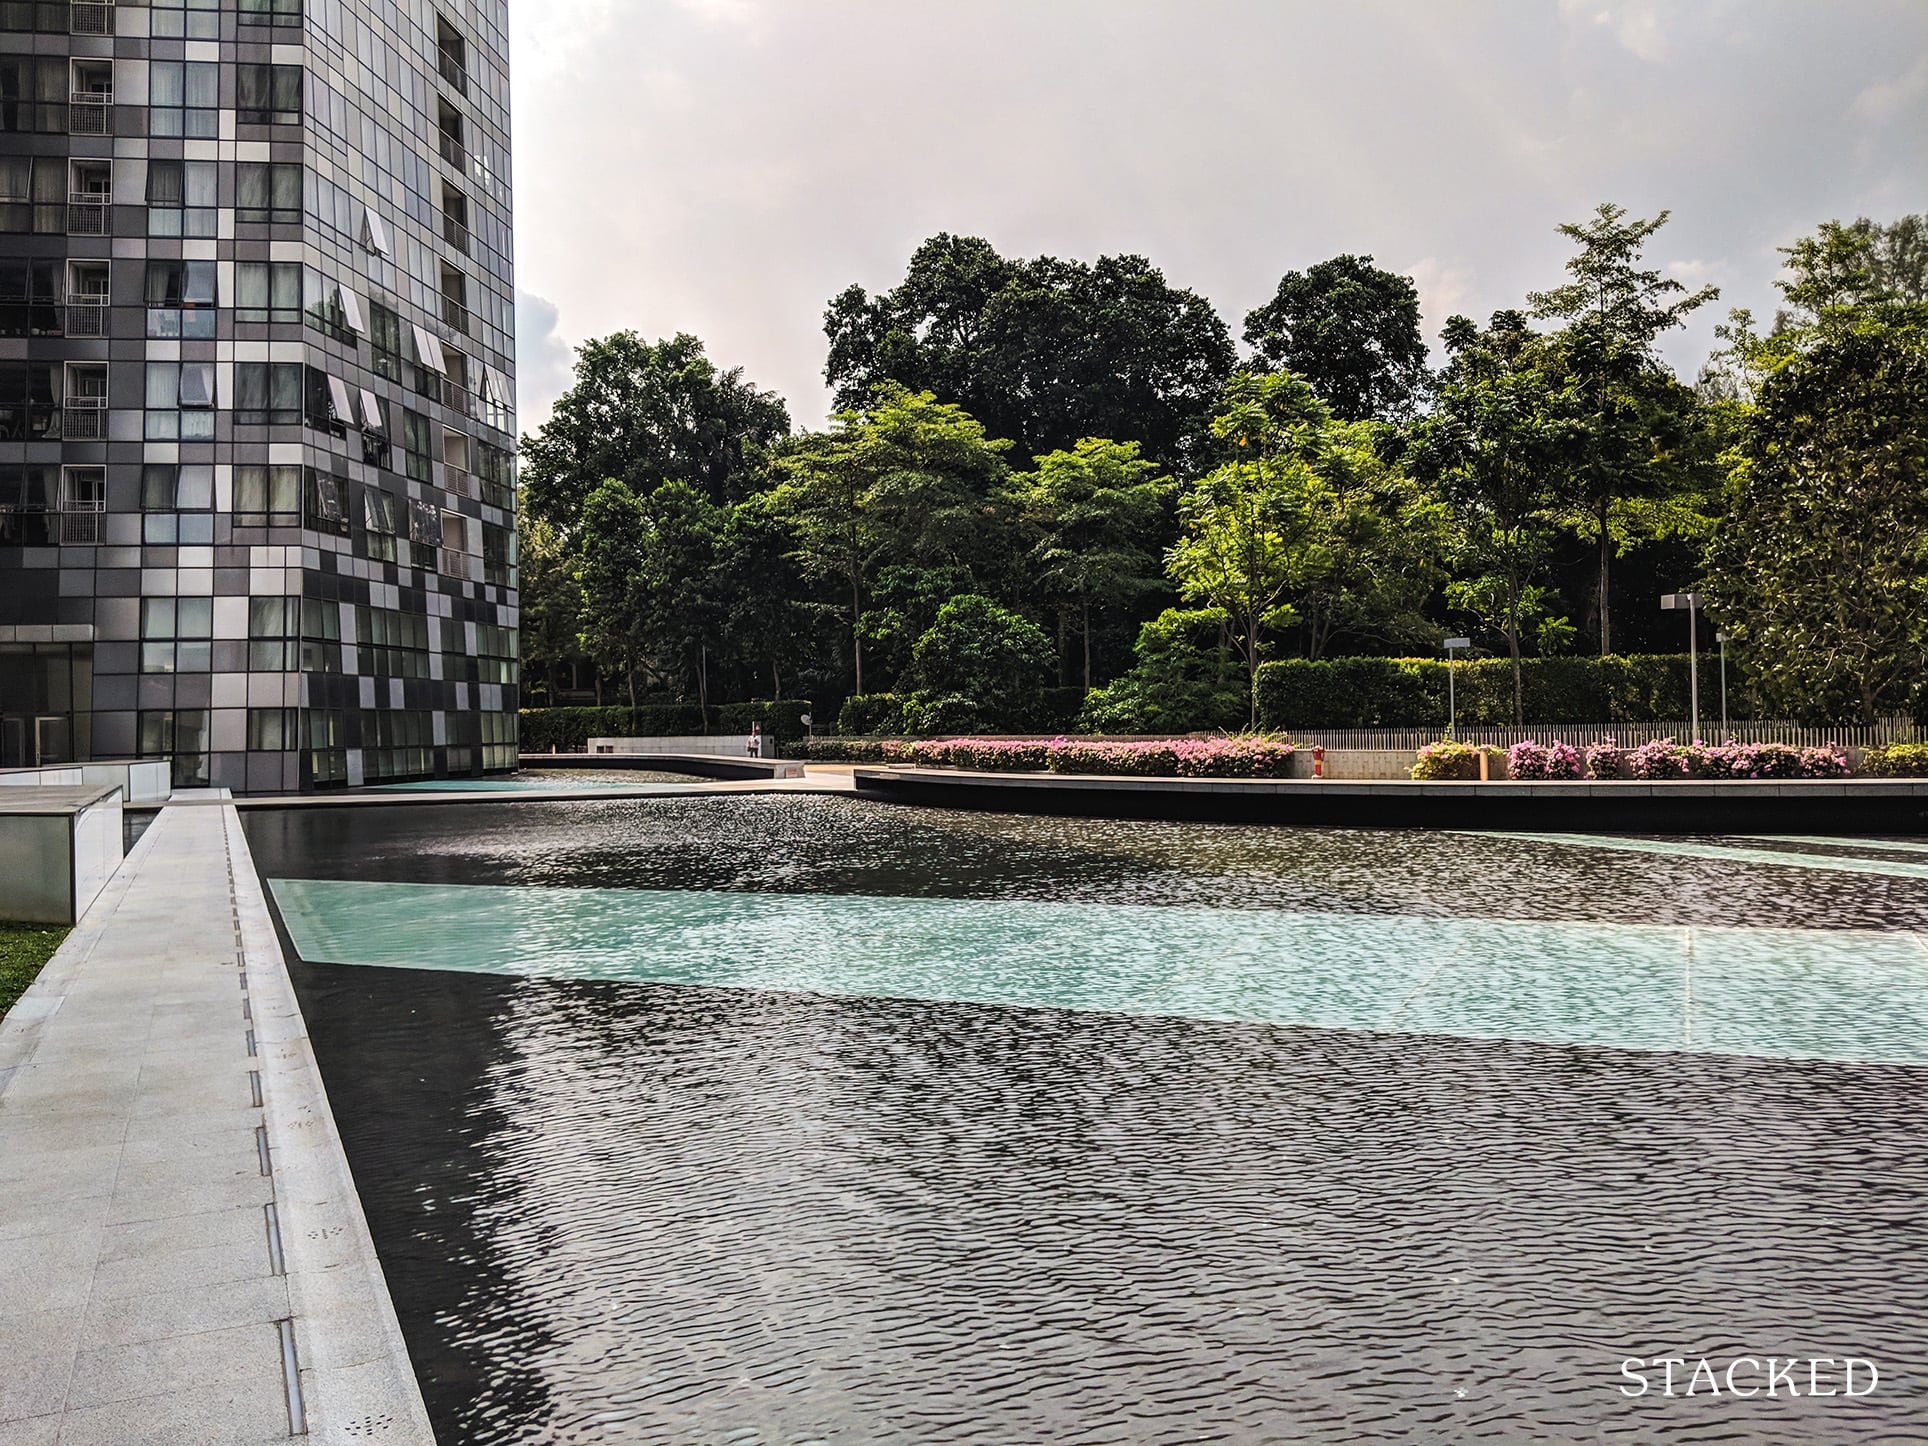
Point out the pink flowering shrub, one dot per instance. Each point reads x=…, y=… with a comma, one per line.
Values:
x=1657, y=760
x=1530, y=760
x=1246, y=756
x=1666, y=759
x=1604, y=759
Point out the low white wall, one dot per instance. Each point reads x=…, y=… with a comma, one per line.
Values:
x=731, y=745
x=1358, y=763
x=147, y=780
x=54, y=864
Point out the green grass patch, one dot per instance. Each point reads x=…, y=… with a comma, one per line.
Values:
x=24, y=948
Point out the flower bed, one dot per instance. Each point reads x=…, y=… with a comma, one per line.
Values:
x=1898, y=760
x=1530, y=760
x=1665, y=759
x=1449, y=762
x=1245, y=756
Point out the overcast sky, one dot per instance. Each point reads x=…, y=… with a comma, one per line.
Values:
x=724, y=167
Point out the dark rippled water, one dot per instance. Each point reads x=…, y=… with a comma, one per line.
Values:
x=642, y=1213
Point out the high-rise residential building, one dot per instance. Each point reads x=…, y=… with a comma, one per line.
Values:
x=257, y=503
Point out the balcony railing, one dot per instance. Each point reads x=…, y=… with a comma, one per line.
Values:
x=455, y=233
x=87, y=213
x=457, y=398
x=87, y=315
x=85, y=419
x=451, y=563
x=90, y=113
x=80, y=524
x=459, y=479
x=453, y=151
x=455, y=315
x=90, y=19
x=452, y=68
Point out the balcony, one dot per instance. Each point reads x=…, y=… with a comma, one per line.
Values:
x=84, y=419
x=457, y=397
x=453, y=151
x=87, y=212
x=90, y=113
x=455, y=315
x=451, y=563
x=459, y=480
x=90, y=19
x=80, y=524
x=455, y=233
x=87, y=315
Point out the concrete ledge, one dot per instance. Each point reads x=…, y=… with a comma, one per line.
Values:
x=1846, y=807
x=58, y=848
x=700, y=765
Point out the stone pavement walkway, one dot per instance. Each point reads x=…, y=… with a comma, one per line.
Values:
x=183, y=1258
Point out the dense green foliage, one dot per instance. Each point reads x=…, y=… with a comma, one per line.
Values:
x=1411, y=692
x=567, y=730
x=24, y=950
x=1050, y=498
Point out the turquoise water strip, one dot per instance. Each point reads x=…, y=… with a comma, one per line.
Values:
x=515, y=785
x=1765, y=992
x=1887, y=845
x=1833, y=863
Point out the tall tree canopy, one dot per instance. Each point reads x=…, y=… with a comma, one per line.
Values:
x=1352, y=331
x=1636, y=451
x=1043, y=352
x=643, y=414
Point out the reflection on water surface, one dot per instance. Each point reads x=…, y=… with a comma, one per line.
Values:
x=654, y=1213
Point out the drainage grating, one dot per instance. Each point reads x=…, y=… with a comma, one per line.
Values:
x=277, y=1262
x=261, y=1148
x=291, y=1379
x=254, y=1088
x=368, y=1425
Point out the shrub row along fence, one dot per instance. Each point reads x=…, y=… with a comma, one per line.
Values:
x=568, y=730
x=1795, y=735
x=1245, y=756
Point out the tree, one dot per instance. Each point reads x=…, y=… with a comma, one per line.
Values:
x=984, y=653
x=1638, y=442
x=1352, y=331
x=905, y=481
x=550, y=605
x=1493, y=447
x=682, y=609
x=644, y=414
x=1244, y=523
x=765, y=620
x=1820, y=572
x=1099, y=510
x=1184, y=678
x=1044, y=352
x=610, y=579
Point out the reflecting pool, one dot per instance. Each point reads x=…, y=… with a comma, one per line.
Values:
x=788, y=1119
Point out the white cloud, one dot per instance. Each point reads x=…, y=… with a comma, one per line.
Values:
x=1635, y=24
x=1887, y=99
x=1444, y=290
x=544, y=363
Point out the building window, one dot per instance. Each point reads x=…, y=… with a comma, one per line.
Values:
x=455, y=300
x=186, y=19
x=498, y=555
x=267, y=394
x=180, y=401
x=83, y=498
x=29, y=516
x=177, y=502
x=385, y=341
x=33, y=193
x=495, y=470
x=267, y=191
x=396, y=745
x=418, y=450
x=270, y=12
x=324, y=509
x=268, y=291
x=273, y=730
x=180, y=734
x=30, y=401
x=327, y=405
x=274, y=627
x=495, y=654
x=33, y=94
x=176, y=633
x=498, y=732
x=30, y=299
x=267, y=496
x=320, y=636
x=331, y=308
x=183, y=198
x=393, y=644
x=184, y=98
x=267, y=94
x=382, y=526
x=180, y=300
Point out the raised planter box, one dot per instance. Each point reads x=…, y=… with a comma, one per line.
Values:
x=58, y=848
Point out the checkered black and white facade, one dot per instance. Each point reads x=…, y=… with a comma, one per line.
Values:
x=257, y=365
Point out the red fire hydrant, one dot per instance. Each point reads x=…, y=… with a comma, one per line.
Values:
x=1318, y=760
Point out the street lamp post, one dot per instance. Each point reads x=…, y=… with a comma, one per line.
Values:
x=1453, y=645
x=1690, y=602
x=1721, y=638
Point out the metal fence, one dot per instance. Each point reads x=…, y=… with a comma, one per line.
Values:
x=1580, y=735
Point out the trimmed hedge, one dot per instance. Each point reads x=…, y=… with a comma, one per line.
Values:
x=899, y=715
x=1411, y=692
x=1897, y=760
x=568, y=730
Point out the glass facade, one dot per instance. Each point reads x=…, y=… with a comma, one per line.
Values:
x=257, y=364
